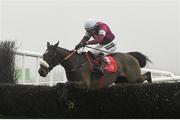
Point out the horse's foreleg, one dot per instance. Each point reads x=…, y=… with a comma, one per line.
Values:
x=65, y=91
x=66, y=101
x=65, y=94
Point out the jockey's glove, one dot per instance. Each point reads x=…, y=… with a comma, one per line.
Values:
x=80, y=45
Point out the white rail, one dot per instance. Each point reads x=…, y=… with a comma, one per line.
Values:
x=38, y=56
x=25, y=53
x=164, y=76
x=164, y=73
x=29, y=53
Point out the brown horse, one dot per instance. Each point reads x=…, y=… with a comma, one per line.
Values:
x=79, y=73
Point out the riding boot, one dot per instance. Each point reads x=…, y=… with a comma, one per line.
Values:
x=100, y=69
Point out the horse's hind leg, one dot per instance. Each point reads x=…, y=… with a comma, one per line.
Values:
x=146, y=76
x=132, y=71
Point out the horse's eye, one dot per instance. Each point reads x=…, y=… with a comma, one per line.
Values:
x=51, y=55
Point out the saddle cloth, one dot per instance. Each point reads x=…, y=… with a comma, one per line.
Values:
x=109, y=67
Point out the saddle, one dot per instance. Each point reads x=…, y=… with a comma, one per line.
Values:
x=110, y=64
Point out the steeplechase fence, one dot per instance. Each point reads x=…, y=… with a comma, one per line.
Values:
x=30, y=75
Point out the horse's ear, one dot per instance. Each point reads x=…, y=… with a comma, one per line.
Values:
x=55, y=46
x=48, y=44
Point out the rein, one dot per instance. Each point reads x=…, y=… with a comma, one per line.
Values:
x=74, y=51
x=68, y=56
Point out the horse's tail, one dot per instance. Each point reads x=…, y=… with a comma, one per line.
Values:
x=142, y=59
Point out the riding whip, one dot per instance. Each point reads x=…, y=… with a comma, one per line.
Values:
x=98, y=49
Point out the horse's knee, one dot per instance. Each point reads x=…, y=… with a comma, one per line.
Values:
x=140, y=80
x=78, y=84
x=121, y=79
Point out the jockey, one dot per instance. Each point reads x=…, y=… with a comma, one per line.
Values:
x=102, y=38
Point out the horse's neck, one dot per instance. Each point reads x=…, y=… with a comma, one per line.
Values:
x=62, y=53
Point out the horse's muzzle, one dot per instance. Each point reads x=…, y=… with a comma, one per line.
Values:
x=42, y=72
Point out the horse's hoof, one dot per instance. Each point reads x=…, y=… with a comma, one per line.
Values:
x=149, y=77
x=70, y=105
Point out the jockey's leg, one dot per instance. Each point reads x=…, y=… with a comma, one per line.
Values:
x=100, y=57
x=99, y=69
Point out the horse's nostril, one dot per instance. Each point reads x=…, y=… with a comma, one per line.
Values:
x=41, y=72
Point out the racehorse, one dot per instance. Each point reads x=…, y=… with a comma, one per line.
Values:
x=79, y=73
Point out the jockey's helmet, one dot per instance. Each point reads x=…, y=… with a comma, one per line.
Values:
x=89, y=24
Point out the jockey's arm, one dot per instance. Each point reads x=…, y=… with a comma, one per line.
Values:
x=99, y=38
x=85, y=38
